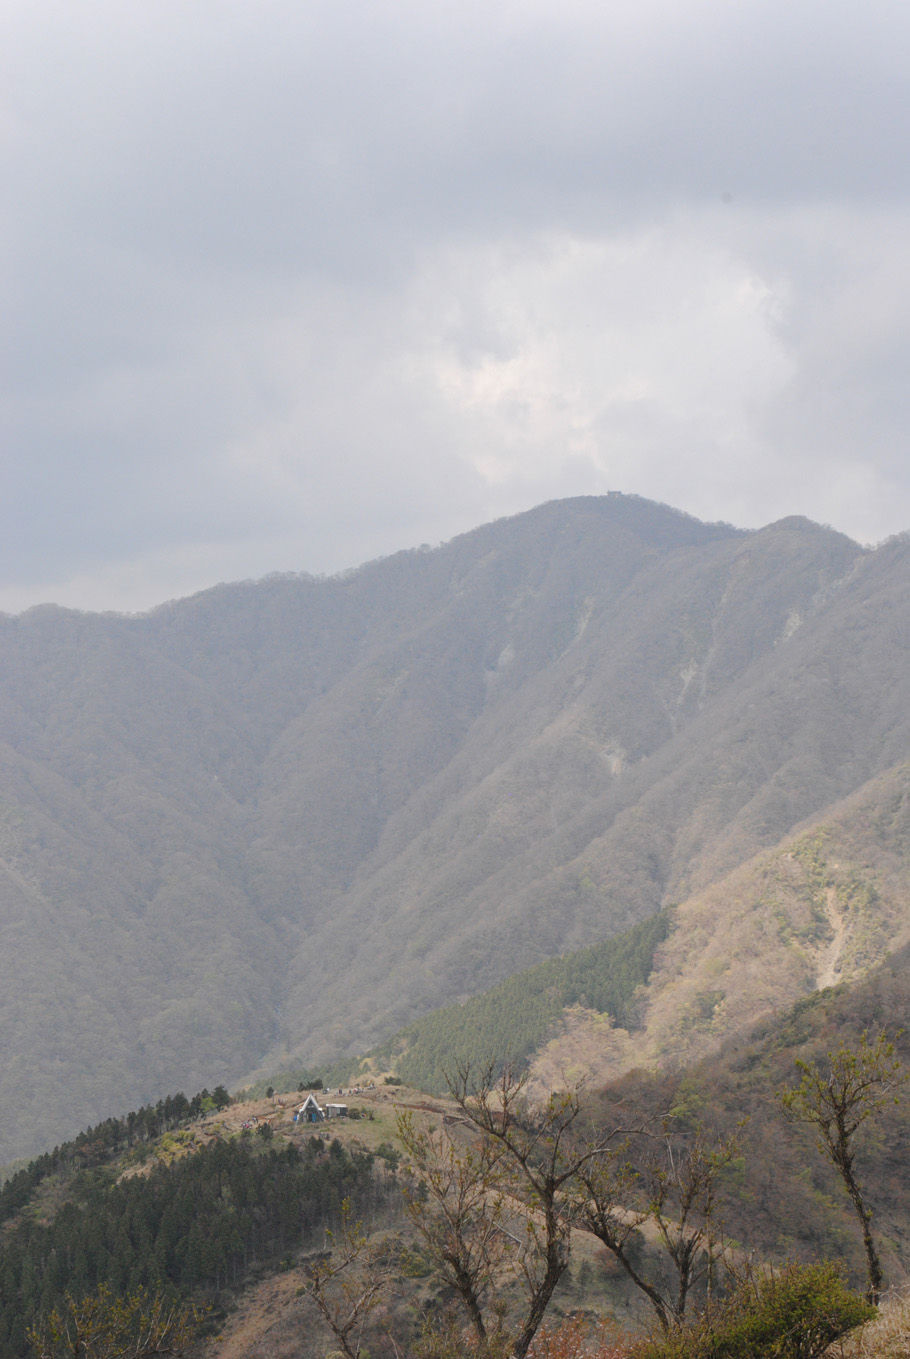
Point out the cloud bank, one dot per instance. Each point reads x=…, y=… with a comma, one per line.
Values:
x=287, y=287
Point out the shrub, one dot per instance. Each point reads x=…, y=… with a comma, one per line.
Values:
x=795, y=1313
x=577, y=1338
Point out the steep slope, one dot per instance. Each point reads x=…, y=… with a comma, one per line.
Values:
x=649, y=757
x=788, y=1199
x=284, y=818
x=826, y=906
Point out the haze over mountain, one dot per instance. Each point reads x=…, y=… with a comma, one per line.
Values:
x=280, y=819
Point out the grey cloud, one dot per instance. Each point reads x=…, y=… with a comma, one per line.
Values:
x=281, y=132
x=246, y=248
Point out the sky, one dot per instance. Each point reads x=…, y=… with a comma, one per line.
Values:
x=288, y=286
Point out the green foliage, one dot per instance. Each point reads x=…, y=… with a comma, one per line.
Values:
x=794, y=1313
x=198, y=1223
x=105, y=1326
x=839, y=1095
x=509, y=1022
x=97, y=1145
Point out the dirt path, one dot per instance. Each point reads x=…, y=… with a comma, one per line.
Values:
x=829, y=962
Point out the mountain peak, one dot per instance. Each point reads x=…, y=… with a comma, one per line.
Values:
x=410, y=782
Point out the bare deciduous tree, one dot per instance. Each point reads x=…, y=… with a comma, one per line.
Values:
x=461, y=1214
x=836, y=1097
x=346, y=1284
x=673, y=1186
x=501, y=1202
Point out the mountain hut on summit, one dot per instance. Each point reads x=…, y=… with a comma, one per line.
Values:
x=311, y=1112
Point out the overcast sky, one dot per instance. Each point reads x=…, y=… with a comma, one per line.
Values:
x=288, y=285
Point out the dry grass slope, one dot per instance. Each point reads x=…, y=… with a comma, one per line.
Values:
x=887, y=1337
x=825, y=906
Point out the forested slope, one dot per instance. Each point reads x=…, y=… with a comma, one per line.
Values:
x=824, y=906
x=283, y=819
x=201, y=1199
x=144, y=1201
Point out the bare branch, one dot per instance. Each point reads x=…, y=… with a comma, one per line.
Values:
x=836, y=1097
x=346, y=1285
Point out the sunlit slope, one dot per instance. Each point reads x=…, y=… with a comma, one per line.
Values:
x=826, y=906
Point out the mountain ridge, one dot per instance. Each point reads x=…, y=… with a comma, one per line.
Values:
x=279, y=820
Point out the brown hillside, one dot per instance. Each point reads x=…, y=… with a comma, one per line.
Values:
x=279, y=820
x=825, y=906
